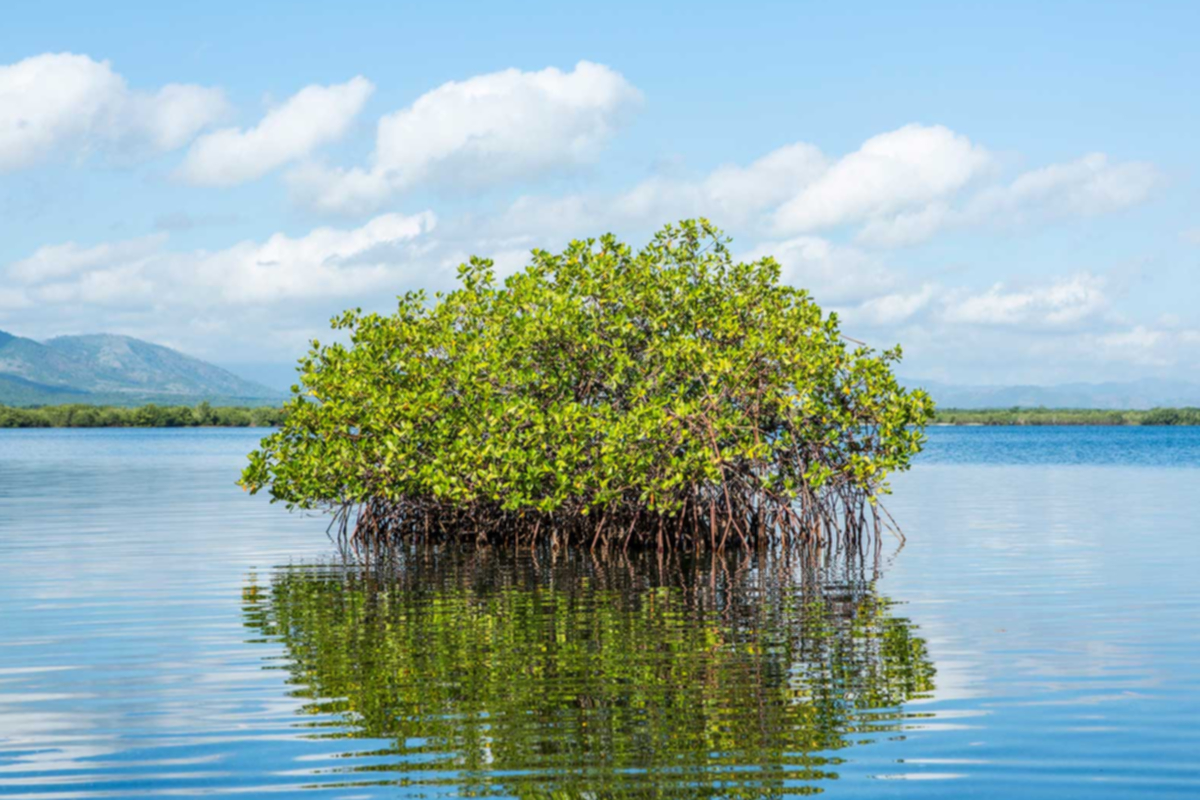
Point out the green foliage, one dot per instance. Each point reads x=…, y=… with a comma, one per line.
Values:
x=593, y=679
x=1172, y=416
x=654, y=389
x=148, y=416
x=1067, y=416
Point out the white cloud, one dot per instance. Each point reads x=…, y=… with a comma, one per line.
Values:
x=1137, y=338
x=832, y=273
x=891, y=172
x=1192, y=235
x=1041, y=333
x=1089, y=186
x=325, y=263
x=1145, y=346
x=328, y=262
x=895, y=308
x=899, y=189
x=314, y=116
x=730, y=195
x=67, y=103
x=481, y=131
x=115, y=286
x=907, y=227
x=264, y=297
x=1062, y=303
x=55, y=262
x=765, y=183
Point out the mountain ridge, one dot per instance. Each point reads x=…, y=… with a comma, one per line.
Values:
x=113, y=369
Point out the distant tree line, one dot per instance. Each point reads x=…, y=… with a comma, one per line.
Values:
x=78, y=415
x=1066, y=416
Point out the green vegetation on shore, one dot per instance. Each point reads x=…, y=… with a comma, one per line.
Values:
x=148, y=416
x=1066, y=416
x=79, y=415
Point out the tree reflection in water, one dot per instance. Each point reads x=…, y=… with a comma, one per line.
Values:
x=571, y=676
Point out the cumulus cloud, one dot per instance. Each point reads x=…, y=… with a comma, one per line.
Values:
x=731, y=194
x=1038, y=332
x=55, y=262
x=767, y=181
x=1069, y=303
x=908, y=227
x=324, y=263
x=796, y=188
x=489, y=128
x=263, y=296
x=314, y=116
x=896, y=307
x=833, y=274
x=1145, y=346
x=1064, y=302
x=327, y=262
x=898, y=189
x=1089, y=186
x=63, y=103
x=891, y=172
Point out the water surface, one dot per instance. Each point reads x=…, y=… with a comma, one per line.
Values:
x=161, y=633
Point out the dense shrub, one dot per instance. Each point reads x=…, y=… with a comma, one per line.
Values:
x=670, y=395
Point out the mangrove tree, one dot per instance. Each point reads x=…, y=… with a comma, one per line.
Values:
x=671, y=396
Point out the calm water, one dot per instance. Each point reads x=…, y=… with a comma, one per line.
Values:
x=1038, y=636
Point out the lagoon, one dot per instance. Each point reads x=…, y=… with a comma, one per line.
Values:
x=163, y=633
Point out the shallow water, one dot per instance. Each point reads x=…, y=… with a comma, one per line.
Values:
x=1038, y=635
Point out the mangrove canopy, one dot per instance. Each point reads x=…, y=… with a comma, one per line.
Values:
x=671, y=396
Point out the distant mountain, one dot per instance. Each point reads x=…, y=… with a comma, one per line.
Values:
x=1149, y=393
x=16, y=391
x=110, y=369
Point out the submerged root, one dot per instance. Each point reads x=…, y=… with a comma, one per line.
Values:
x=712, y=519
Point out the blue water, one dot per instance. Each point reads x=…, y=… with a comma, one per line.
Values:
x=162, y=633
x=1095, y=445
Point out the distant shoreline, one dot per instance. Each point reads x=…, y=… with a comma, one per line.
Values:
x=77, y=415
x=1065, y=416
x=202, y=415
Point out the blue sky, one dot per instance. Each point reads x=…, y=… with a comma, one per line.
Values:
x=1009, y=191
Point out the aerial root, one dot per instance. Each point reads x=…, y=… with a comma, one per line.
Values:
x=711, y=518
